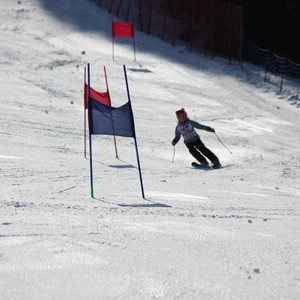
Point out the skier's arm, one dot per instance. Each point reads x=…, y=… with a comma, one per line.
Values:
x=177, y=137
x=202, y=127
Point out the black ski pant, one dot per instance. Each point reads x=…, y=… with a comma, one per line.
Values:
x=198, y=150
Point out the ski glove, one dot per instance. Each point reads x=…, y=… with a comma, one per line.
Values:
x=174, y=142
x=210, y=129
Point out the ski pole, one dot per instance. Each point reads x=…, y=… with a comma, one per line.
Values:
x=173, y=154
x=223, y=143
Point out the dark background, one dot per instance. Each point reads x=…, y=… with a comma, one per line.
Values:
x=268, y=24
x=273, y=24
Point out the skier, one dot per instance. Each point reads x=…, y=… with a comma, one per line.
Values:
x=186, y=128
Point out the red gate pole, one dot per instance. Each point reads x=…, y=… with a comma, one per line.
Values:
x=127, y=12
x=204, y=36
x=140, y=19
x=119, y=7
x=165, y=18
x=229, y=31
x=150, y=17
x=212, y=29
x=241, y=35
x=175, y=21
x=192, y=25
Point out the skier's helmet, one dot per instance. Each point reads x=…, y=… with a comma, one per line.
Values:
x=181, y=112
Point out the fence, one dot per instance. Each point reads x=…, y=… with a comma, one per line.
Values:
x=272, y=62
x=205, y=26
x=202, y=26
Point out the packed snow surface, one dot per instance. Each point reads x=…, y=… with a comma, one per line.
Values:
x=231, y=233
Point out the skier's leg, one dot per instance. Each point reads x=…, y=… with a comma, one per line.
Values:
x=193, y=150
x=208, y=153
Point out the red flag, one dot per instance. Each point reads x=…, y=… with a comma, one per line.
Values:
x=122, y=30
x=98, y=96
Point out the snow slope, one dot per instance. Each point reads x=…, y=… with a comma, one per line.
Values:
x=231, y=233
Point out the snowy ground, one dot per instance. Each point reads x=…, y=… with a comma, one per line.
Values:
x=231, y=233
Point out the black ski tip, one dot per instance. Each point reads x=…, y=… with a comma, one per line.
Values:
x=215, y=167
x=196, y=165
